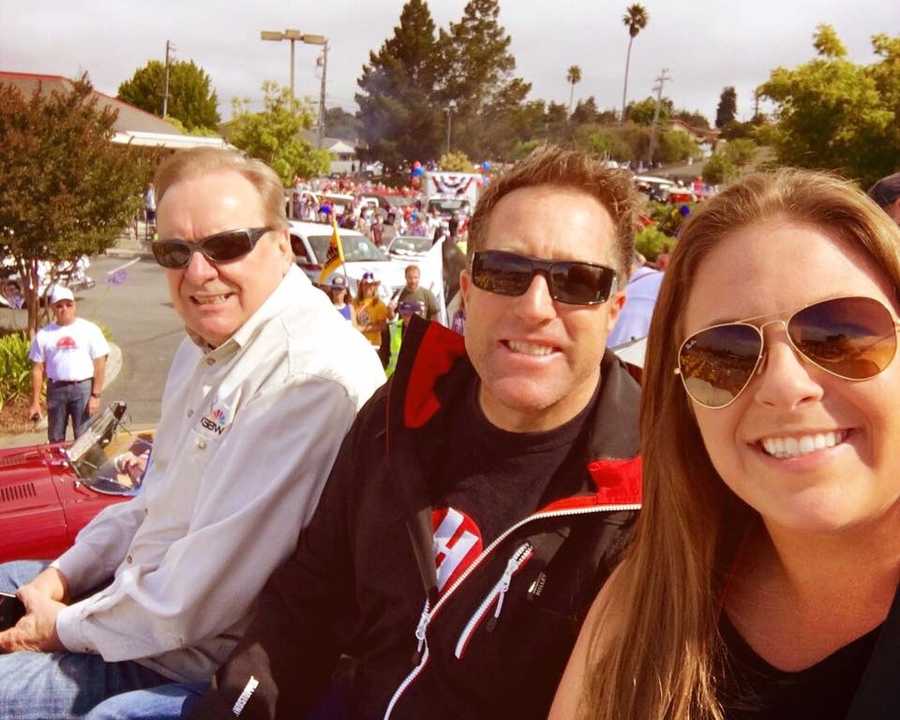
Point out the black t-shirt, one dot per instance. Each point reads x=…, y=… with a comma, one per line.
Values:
x=496, y=477
x=754, y=690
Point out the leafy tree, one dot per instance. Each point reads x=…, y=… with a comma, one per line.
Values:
x=341, y=124
x=642, y=111
x=836, y=115
x=635, y=19
x=192, y=99
x=695, y=119
x=67, y=190
x=727, y=109
x=585, y=112
x=675, y=146
x=607, y=143
x=455, y=162
x=400, y=119
x=573, y=77
x=273, y=135
x=477, y=70
x=719, y=169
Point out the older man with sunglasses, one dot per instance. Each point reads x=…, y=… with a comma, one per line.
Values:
x=155, y=592
x=480, y=499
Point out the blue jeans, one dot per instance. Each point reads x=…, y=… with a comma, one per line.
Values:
x=64, y=402
x=60, y=686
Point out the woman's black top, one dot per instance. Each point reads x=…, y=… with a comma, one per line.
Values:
x=754, y=690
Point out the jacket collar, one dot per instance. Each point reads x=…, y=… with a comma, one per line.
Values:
x=433, y=369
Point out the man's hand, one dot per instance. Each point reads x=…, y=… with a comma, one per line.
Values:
x=93, y=405
x=36, y=631
x=35, y=409
x=52, y=584
x=132, y=465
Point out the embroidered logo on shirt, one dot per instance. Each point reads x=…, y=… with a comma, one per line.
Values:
x=217, y=420
x=457, y=542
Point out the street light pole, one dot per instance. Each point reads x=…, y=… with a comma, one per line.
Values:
x=278, y=36
x=322, y=94
x=169, y=48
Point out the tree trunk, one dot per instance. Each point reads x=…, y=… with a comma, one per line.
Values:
x=625, y=89
x=571, y=98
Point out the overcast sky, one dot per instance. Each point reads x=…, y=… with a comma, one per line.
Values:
x=705, y=44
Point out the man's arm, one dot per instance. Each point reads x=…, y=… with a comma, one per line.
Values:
x=97, y=385
x=37, y=383
x=256, y=491
x=432, y=304
x=293, y=644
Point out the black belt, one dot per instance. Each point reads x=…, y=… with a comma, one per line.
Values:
x=70, y=382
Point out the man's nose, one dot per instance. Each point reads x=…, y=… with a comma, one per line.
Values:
x=536, y=302
x=200, y=269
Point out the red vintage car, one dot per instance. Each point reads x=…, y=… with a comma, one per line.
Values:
x=49, y=492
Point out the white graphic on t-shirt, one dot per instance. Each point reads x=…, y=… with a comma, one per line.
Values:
x=457, y=542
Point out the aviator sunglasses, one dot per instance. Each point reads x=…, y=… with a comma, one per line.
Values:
x=222, y=247
x=853, y=338
x=575, y=283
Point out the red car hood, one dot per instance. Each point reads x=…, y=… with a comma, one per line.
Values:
x=25, y=477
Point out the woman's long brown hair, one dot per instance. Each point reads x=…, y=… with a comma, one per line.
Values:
x=655, y=650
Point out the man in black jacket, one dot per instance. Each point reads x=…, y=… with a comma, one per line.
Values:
x=482, y=496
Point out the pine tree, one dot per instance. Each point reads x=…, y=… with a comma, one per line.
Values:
x=400, y=121
x=478, y=79
x=727, y=109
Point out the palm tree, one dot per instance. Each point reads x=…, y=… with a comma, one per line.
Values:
x=573, y=76
x=635, y=20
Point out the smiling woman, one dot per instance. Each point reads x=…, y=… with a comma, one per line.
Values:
x=766, y=557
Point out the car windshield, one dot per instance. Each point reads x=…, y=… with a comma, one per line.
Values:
x=405, y=245
x=445, y=206
x=357, y=248
x=97, y=455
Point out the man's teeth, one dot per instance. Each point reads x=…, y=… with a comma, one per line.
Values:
x=529, y=348
x=789, y=447
x=211, y=299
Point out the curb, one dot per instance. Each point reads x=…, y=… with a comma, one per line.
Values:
x=129, y=253
x=113, y=368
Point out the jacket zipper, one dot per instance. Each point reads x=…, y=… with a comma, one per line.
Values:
x=428, y=615
x=498, y=592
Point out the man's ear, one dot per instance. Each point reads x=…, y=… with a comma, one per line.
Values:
x=284, y=248
x=615, y=305
x=465, y=285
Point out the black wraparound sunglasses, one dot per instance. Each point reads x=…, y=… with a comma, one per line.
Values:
x=569, y=281
x=222, y=247
x=853, y=338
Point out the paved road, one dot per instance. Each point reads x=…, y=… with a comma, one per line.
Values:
x=142, y=323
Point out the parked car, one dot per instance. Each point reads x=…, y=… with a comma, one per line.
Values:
x=310, y=242
x=49, y=492
x=406, y=247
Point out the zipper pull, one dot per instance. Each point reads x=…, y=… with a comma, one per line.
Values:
x=424, y=619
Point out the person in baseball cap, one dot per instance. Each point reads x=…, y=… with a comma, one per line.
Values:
x=71, y=353
x=372, y=314
x=886, y=192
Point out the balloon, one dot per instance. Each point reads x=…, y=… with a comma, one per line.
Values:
x=418, y=172
x=417, y=164
x=684, y=210
x=486, y=166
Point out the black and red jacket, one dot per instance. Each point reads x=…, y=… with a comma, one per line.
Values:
x=360, y=587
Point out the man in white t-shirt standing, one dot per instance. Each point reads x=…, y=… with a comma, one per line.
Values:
x=72, y=353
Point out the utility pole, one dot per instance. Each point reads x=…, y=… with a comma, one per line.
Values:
x=449, y=110
x=322, y=94
x=661, y=80
x=170, y=48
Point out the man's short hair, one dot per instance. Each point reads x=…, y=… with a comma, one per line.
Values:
x=886, y=190
x=195, y=162
x=568, y=169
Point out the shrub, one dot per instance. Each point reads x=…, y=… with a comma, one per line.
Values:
x=651, y=242
x=15, y=367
